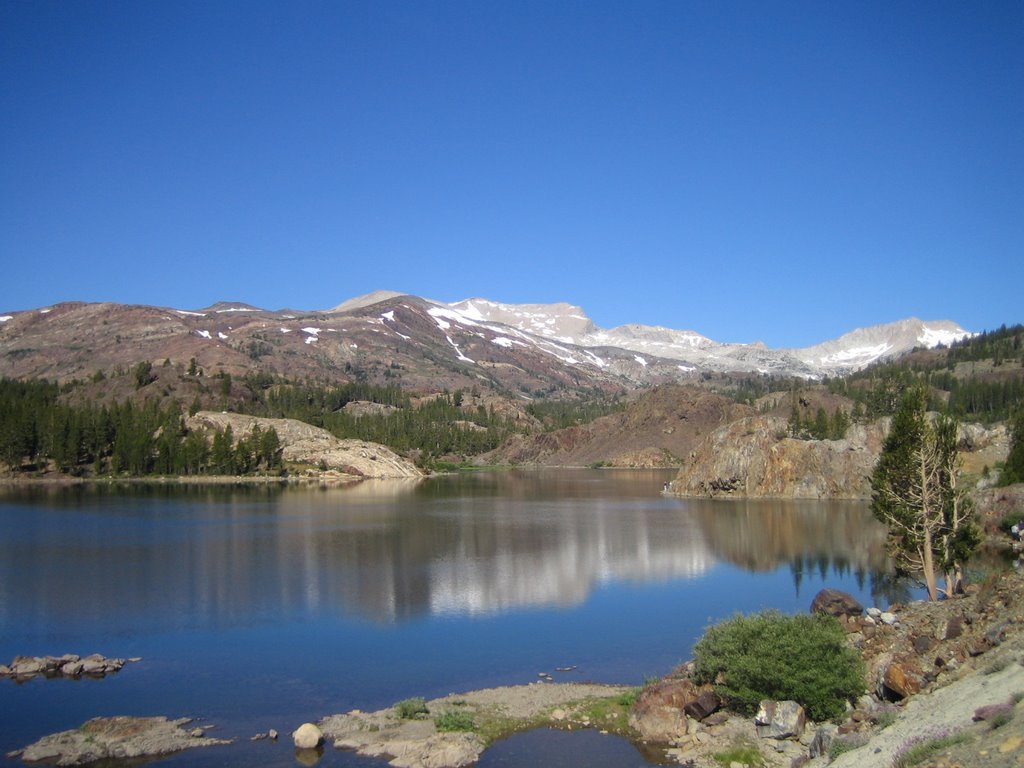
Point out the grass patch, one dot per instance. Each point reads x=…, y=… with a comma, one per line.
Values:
x=922, y=748
x=999, y=719
x=412, y=709
x=455, y=720
x=840, y=746
x=997, y=666
x=491, y=726
x=742, y=752
x=885, y=718
x=628, y=699
x=611, y=714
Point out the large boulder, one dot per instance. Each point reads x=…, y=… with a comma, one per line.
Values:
x=780, y=720
x=707, y=703
x=900, y=680
x=660, y=712
x=307, y=736
x=833, y=602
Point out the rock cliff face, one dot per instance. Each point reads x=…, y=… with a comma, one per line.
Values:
x=655, y=430
x=307, y=444
x=752, y=458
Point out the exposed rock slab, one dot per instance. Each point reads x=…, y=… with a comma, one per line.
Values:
x=305, y=444
x=103, y=738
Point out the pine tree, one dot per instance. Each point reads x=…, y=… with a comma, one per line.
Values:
x=795, y=426
x=222, y=458
x=1013, y=468
x=820, y=429
x=916, y=493
x=839, y=424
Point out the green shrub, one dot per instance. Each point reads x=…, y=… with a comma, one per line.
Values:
x=769, y=655
x=455, y=720
x=412, y=709
x=1010, y=519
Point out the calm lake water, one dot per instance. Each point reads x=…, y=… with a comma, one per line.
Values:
x=257, y=608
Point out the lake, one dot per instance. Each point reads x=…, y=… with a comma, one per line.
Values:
x=259, y=607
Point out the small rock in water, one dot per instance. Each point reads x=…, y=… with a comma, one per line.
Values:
x=272, y=734
x=197, y=733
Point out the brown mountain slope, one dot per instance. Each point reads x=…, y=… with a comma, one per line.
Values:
x=658, y=429
x=401, y=340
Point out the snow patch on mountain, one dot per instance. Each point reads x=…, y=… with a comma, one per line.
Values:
x=932, y=337
x=854, y=355
x=458, y=352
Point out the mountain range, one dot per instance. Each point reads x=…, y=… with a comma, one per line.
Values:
x=423, y=344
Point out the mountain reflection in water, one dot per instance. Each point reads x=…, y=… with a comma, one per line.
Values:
x=465, y=545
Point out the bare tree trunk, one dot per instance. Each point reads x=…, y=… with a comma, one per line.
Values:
x=928, y=565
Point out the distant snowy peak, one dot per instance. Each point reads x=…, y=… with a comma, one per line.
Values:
x=565, y=330
x=222, y=307
x=366, y=300
x=864, y=346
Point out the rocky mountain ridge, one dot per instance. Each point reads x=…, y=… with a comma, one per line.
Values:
x=423, y=343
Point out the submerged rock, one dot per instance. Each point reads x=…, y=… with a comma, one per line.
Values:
x=114, y=737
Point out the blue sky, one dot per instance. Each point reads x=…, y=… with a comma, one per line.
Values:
x=777, y=171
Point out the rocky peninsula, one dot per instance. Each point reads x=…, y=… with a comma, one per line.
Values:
x=116, y=738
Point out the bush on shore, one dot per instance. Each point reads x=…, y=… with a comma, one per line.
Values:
x=769, y=655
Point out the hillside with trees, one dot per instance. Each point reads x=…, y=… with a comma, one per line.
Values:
x=131, y=420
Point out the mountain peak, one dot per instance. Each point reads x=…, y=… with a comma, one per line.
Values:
x=367, y=299
x=561, y=321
